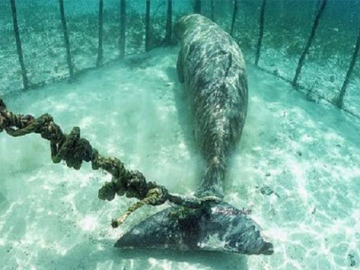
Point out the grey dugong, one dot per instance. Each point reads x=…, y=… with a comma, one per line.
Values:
x=212, y=68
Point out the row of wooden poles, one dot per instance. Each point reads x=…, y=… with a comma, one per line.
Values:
x=339, y=101
x=99, y=61
x=168, y=37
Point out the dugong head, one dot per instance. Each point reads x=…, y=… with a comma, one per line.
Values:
x=192, y=22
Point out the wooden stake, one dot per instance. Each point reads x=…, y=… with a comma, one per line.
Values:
x=18, y=44
x=168, y=35
x=99, y=61
x=261, y=32
x=212, y=10
x=147, y=26
x=197, y=6
x=308, y=44
x=340, y=100
x=234, y=17
x=66, y=38
x=122, y=28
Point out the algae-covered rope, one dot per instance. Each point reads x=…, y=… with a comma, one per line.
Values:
x=74, y=150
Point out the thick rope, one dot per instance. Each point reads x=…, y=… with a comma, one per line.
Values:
x=74, y=150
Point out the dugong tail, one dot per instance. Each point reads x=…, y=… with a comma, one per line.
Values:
x=212, y=182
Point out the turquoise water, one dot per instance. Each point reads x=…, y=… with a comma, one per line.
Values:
x=307, y=153
x=300, y=146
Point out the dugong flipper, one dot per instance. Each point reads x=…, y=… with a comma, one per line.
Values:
x=212, y=68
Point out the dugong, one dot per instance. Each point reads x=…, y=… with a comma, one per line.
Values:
x=212, y=69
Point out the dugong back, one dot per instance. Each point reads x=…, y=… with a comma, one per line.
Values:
x=212, y=68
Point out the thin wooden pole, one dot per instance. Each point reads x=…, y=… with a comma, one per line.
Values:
x=147, y=26
x=261, y=32
x=99, y=61
x=168, y=35
x=236, y=7
x=197, y=6
x=212, y=10
x=18, y=44
x=340, y=99
x=308, y=44
x=66, y=38
x=122, y=28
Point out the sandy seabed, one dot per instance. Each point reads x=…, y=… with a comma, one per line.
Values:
x=296, y=168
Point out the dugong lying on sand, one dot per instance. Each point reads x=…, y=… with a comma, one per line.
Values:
x=212, y=68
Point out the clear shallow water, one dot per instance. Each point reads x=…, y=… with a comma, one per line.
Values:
x=307, y=153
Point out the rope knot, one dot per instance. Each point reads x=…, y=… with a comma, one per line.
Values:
x=136, y=186
x=156, y=196
x=72, y=149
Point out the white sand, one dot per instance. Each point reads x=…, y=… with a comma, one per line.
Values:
x=307, y=153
